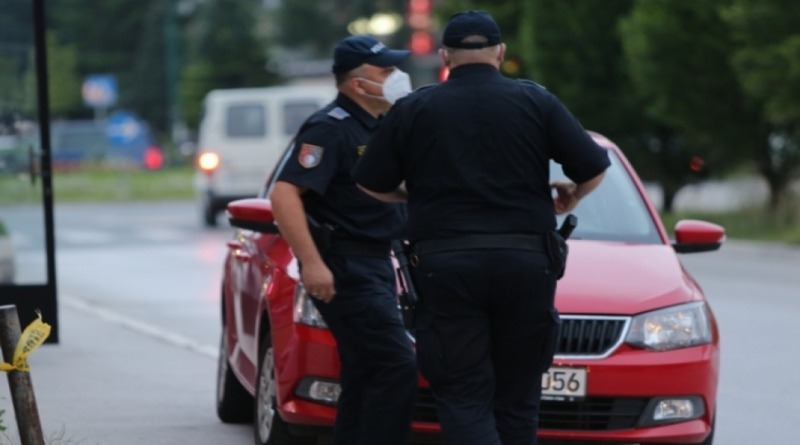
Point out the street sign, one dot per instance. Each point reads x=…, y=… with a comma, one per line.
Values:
x=99, y=90
x=123, y=128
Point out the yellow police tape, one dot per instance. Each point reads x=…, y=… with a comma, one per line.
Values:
x=33, y=336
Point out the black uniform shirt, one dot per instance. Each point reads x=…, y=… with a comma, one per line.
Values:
x=474, y=154
x=326, y=148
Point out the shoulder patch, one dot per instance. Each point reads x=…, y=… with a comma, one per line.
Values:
x=310, y=155
x=339, y=113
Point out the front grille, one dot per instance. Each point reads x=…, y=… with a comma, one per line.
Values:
x=589, y=336
x=425, y=407
x=592, y=414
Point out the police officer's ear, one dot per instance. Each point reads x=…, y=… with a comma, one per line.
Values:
x=501, y=53
x=445, y=57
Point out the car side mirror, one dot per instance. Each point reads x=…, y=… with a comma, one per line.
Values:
x=252, y=214
x=692, y=236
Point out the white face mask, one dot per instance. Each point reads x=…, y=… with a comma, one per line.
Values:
x=396, y=86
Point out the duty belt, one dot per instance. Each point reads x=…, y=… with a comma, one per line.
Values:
x=480, y=241
x=359, y=248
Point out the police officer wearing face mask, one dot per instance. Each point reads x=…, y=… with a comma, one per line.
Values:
x=473, y=153
x=341, y=237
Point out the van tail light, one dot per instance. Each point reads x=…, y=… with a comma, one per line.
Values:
x=208, y=162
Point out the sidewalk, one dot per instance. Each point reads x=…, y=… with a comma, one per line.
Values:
x=105, y=384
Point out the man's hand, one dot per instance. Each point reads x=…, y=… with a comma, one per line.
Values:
x=318, y=281
x=565, y=199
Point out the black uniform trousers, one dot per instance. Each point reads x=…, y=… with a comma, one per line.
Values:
x=378, y=367
x=486, y=330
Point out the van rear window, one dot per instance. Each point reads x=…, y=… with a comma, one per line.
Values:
x=295, y=113
x=246, y=120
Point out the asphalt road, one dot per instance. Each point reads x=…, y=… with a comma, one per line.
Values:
x=139, y=299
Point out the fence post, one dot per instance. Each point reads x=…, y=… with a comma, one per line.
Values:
x=19, y=382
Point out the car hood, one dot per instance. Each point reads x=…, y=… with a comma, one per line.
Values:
x=624, y=279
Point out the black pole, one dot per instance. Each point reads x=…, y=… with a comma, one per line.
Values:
x=19, y=382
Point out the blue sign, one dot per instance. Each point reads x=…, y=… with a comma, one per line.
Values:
x=99, y=90
x=122, y=128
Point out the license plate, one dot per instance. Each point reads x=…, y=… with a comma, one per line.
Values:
x=564, y=384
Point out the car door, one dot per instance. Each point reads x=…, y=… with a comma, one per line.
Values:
x=252, y=271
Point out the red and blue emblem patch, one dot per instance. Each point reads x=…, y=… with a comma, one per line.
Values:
x=310, y=155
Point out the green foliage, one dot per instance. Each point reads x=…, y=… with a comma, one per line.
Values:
x=109, y=49
x=767, y=62
x=223, y=52
x=749, y=224
x=578, y=56
x=64, y=84
x=665, y=79
x=16, y=60
x=102, y=183
x=314, y=26
x=677, y=56
x=767, y=58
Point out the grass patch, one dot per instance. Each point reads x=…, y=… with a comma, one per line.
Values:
x=755, y=224
x=102, y=184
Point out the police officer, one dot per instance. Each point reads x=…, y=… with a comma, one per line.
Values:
x=471, y=156
x=341, y=237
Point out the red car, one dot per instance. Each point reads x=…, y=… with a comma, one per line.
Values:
x=638, y=353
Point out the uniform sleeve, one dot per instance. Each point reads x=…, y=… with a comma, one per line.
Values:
x=580, y=157
x=315, y=158
x=380, y=167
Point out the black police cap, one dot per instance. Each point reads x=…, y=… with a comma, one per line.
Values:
x=471, y=23
x=355, y=51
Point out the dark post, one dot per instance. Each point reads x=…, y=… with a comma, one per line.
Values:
x=19, y=382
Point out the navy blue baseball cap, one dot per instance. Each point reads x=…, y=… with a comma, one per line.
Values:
x=471, y=23
x=355, y=51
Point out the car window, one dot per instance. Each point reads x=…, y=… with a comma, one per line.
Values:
x=614, y=211
x=295, y=113
x=246, y=120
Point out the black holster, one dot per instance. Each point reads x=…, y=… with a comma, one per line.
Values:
x=557, y=250
x=407, y=299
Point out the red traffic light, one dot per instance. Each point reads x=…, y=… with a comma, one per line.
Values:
x=420, y=6
x=421, y=43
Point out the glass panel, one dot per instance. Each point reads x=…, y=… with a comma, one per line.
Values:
x=246, y=120
x=295, y=113
x=615, y=211
x=23, y=249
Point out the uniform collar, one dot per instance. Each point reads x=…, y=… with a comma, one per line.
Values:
x=366, y=119
x=473, y=69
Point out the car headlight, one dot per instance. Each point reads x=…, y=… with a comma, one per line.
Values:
x=671, y=328
x=304, y=310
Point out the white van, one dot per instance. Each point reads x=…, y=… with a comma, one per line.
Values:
x=242, y=134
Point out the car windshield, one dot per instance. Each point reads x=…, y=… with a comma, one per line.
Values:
x=614, y=211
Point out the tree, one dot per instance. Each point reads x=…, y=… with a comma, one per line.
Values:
x=677, y=57
x=109, y=49
x=766, y=61
x=223, y=52
x=64, y=85
x=314, y=26
x=16, y=63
